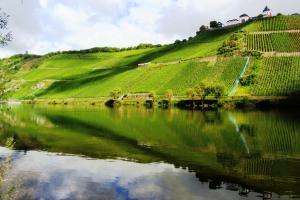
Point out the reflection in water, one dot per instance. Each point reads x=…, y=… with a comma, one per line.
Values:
x=100, y=153
x=70, y=177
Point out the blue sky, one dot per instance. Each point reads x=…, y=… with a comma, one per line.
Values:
x=41, y=26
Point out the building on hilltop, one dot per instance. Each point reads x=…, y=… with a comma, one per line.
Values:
x=244, y=18
x=232, y=22
x=267, y=12
x=219, y=25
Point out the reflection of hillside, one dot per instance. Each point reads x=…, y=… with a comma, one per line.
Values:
x=249, y=148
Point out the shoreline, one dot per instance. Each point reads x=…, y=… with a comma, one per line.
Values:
x=232, y=102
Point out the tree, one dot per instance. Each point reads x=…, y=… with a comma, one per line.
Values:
x=116, y=93
x=177, y=42
x=5, y=36
x=203, y=28
x=190, y=93
x=218, y=91
x=202, y=90
x=213, y=24
x=169, y=96
x=279, y=14
x=260, y=16
x=152, y=95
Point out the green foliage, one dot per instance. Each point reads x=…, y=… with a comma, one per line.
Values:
x=116, y=93
x=10, y=143
x=248, y=80
x=217, y=90
x=202, y=90
x=169, y=95
x=253, y=53
x=215, y=24
x=231, y=45
x=203, y=28
x=190, y=93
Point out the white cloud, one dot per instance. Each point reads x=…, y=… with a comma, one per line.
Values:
x=41, y=26
x=44, y=3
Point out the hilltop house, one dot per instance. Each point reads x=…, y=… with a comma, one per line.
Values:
x=244, y=18
x=267, y=12
x=232, y=22
x=219, y=25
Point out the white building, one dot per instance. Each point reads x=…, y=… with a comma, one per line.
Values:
x=232, y=22
x=267, y=12
x=244, y=18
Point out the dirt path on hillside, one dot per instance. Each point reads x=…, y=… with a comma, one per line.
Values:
x=212, y=59
x=281, y=54
x=266, y=32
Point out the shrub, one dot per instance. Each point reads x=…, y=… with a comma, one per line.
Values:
x=169, y=95
x=248, y=80
x=190, y=93
x=116, y=93
x=231, y=45
x=217, y=91
x=255, y=54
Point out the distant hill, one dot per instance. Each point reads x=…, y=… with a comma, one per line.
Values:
x=177, y=66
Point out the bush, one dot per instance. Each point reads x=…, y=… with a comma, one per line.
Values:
x=169, y=95
x=255, y=54
x=190, y=93
x=217, y=91
x=177, y=42
x=116, y=93
x=231, y=45
x=248, y=80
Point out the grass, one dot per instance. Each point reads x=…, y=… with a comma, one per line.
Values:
x=158, y=78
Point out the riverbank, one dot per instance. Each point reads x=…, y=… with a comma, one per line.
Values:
x=232, y=102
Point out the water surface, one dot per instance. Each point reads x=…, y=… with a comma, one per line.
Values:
x=136, y=153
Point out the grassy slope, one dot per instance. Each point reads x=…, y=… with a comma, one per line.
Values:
x=87, y=75
x=96, y=74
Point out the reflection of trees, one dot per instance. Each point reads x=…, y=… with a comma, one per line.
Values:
x=23, y=142
x=5, y=166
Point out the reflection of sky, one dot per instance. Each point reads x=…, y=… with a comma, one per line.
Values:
x=51, y=176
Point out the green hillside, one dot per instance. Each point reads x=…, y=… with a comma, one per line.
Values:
x=177, y=66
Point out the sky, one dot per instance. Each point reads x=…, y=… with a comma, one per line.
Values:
x=41, y=26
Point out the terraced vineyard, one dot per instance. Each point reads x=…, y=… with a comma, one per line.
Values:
x=259, y=42
x=279, y=76
x=279, y=42
x=275, y=24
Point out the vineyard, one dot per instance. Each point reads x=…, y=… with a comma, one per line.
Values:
x=279, y=42
x=259, y=42
x=279, y=76
x=275, y=24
